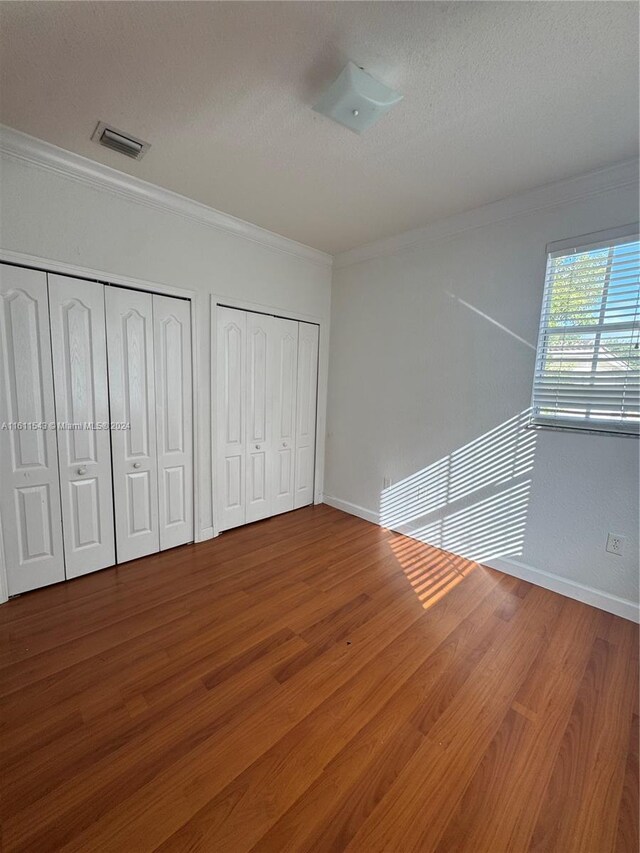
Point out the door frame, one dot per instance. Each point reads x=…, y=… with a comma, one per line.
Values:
x=222, y=301
x=48, y=265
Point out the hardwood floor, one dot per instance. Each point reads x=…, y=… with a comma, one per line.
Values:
x=313, y=682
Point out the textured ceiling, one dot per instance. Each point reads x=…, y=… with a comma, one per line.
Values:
x=499, y=97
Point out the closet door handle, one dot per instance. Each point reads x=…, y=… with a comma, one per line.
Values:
x=82, y=470
x=136, y=464
x=284, y=444
x=257, y=447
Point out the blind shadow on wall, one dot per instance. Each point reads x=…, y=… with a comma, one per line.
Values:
x=472, y=502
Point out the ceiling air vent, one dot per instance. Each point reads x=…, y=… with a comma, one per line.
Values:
x=124, y=143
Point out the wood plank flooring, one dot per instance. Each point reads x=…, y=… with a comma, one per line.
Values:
x=315, y=683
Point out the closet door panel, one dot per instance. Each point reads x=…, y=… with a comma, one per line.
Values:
x=30, y=493
x=283, y=381
x=258, y=503
x=81, y=393
x=132, y=398
x=230, y=417
x=307, y=387
x=172, y=338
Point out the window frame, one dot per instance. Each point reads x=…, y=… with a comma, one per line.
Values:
x=574, y=245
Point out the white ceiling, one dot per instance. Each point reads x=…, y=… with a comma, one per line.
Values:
x=499, y=97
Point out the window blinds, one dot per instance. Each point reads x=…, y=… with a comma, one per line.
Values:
x=588, y=357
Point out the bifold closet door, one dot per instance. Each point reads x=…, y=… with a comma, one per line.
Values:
x=150, y=389
x=172, y=344
x=282, y=372
x=307, y=393
x=81, y=395
x=267, y=374
x=230, y=417
x=133, y=402
x=258, y=420
x=270, y=388
x=30, y=492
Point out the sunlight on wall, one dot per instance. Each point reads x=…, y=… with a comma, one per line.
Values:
x=491, y=320
x=472, y=502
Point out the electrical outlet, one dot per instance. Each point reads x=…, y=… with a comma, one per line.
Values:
x=386, y=483
x=615, y=544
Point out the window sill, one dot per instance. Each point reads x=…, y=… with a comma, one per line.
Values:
x=580, y=429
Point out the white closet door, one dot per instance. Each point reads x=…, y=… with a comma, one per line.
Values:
x=132, y=398
x=81, y=395
x=306, y=413
x=258, y=497
x=172, y=338
x=230, y=417
x=283, y=360
x=30, y=492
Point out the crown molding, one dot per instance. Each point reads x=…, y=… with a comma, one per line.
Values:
x=37, y=152
x=618, y=176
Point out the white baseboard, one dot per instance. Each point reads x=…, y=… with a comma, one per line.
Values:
x=623, y=607
x=572, y=589
x=352, y=509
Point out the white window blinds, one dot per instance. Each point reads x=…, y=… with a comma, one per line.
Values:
x=588, y=357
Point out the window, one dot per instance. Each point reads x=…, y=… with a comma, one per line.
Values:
x=588, y=354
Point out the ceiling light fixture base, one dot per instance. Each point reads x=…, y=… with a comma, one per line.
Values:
x=356, y=99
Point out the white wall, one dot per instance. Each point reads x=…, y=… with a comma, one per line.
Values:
x=432, y=346
x=48, y=212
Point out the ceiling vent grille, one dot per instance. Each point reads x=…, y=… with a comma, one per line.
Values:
x=124, y=143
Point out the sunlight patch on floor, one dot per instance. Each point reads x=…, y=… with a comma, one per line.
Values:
x=432, y=573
